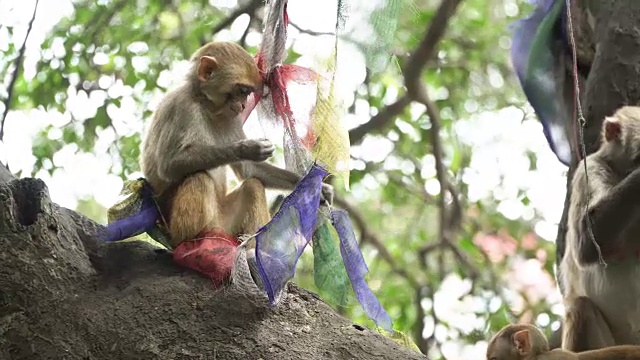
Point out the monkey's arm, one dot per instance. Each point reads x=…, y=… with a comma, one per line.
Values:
x=271, y=176
x=610, y=216
x=274, y=177
x=585, y=327
x=194, y=157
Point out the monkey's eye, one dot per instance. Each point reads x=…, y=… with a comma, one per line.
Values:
x=244, y=90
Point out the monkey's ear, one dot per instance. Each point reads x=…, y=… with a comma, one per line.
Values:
x=612, y=129
x=208, y=64
x=522, y=342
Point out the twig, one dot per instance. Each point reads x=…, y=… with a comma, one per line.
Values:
x=16, y=72
x=421, y=194
x=380, y=120
x=243, y=38
x=310, y=32
x=441, y=173
x=422, y=343
x=250, y=8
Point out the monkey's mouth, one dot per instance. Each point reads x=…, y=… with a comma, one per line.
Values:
x=237, y=109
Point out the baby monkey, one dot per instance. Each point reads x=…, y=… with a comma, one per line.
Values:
x=196, y=132
x=527, y=342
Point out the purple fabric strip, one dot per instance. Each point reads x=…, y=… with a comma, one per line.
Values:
x=536, y=63
x=136, y=224
x=279, y=244
x=356, y=270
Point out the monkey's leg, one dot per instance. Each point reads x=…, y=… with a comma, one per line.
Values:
x=193, y=208
x=197, y=227
x=585, y=327
x=246, y=209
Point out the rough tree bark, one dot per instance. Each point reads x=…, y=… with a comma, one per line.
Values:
x=65, y=295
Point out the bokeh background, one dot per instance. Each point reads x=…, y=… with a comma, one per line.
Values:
x=449, y=272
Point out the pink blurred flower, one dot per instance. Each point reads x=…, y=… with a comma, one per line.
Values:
x=529, y=277
x=529, y=241
x=496, y=246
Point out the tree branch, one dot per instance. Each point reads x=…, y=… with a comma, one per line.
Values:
x=56, y=307
x=249, y=8
x=423, y=53
x=16, y=72
x=310, y=32
x=380, y=120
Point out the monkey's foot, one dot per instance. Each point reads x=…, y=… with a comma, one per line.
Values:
x=212, y=253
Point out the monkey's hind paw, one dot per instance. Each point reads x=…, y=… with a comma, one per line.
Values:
x=212, y=254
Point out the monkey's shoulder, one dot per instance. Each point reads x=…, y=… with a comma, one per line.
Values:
x=177, y=106
x=597, y=174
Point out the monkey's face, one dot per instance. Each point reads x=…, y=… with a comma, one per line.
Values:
x=237, y=98
x=228, y=88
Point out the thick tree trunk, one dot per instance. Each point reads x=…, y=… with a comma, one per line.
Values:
x=65, y=295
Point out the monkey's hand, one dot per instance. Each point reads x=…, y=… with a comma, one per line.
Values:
x=327, y=194
x=256, y=150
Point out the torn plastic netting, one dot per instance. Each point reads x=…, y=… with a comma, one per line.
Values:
x=535, y=62
x=280, y=243
x=319, y=131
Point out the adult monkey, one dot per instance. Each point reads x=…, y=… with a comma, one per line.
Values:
x=195, y=133
x=606, y=89
x=603, y=302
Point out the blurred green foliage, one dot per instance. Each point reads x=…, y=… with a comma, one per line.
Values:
x=131, y=42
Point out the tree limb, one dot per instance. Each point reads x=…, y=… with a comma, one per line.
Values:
x=66, y=292
x=310, y=32
x=423, y=53
x=380, y=120
x=16, y=72
x=248, y=8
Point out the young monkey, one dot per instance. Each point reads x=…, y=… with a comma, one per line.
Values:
x=527, y=342
x=195, y=132
x=601, y=302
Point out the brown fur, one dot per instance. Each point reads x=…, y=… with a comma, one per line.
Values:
x=602, y=302
x=527, y=342
x=195, y=133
